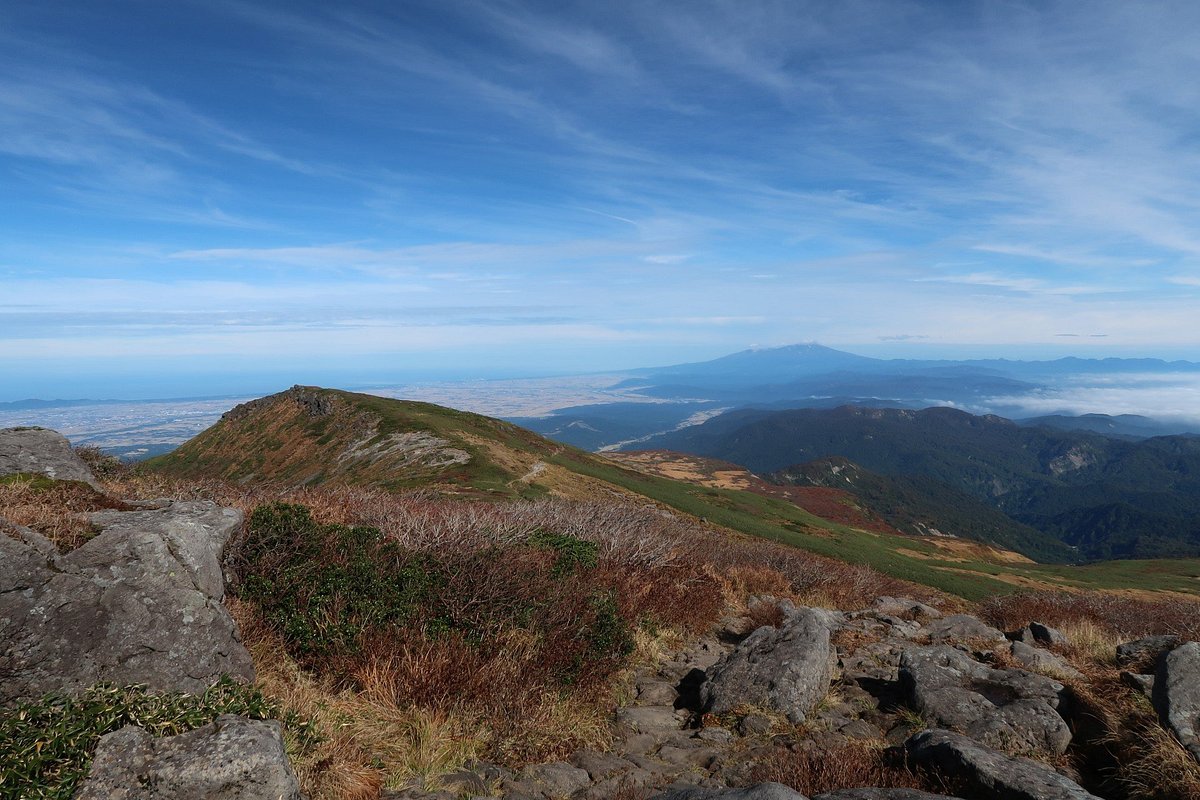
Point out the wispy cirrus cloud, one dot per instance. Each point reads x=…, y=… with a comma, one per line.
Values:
x=979, y=176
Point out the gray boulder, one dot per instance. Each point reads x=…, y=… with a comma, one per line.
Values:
x=558, y=778
x=762, y=791
x=1008, y=709
x=138, y=603
x=43, y=452
x=788, y=668
x=1043, y=661
x=904, y=607
x=1176, y=694
x=1138, y=682
x=233, y=758
x=1035, y=633
x=1045, y=635
x=991, y=774
x=1147, y=650
x=962, y=628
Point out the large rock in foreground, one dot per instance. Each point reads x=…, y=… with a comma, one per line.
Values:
x=232, y=759
x=138, y=604
x=41, y=451
x=787, y=668
x=1009, y=709
x=1177, y=694
x=991, y=774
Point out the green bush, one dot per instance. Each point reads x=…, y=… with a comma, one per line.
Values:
x=608, y=636
x=46, y=746
x=573, y=553
x=325, y=587
x=338, y=595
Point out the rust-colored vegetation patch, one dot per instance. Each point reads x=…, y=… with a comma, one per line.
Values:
x=1123, y=616
x=835, y=505
x=457, y=629
x=56, y=509
x=816, y=770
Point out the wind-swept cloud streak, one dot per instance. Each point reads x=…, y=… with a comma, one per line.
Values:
x=869, y=172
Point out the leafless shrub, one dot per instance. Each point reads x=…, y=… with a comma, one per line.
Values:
x=101, y=464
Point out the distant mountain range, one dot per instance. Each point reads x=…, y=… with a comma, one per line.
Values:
x=34, y=404
x=1105, y=497
x=814, y=376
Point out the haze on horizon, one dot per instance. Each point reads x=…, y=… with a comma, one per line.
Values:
x=198, y=196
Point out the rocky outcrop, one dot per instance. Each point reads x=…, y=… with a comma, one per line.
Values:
x=1042, y=635
x=1007, y=709
x=962, y=628
x=1176, y=694
x=787, y=669
x=989, y=773
x=1040, y=660
x=40, y=451
x=664, y=742
x=1145, y=652
x=231, y=759
x=905, y=608
x=140, y=603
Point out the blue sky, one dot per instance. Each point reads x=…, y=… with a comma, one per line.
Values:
x=198, y=196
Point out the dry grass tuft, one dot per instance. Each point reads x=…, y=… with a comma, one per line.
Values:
x=858, y=763
x=770, y=614
x=1159, y=768
x=1117, y=615
x=512, y=646
x=55, y=509
x=102, y=465
x=340, y=766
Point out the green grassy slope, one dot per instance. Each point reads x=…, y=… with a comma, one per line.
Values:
x=303, y=436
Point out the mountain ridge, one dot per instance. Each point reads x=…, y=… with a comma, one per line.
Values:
x=1143, y=495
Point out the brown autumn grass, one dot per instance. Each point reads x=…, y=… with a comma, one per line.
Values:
x=854, y=764
x=1125, y=744
x=489, y=687
x=1123, y=741
x=1119, y=615
x=638, y=535
x=56, y=509
x=408, y=706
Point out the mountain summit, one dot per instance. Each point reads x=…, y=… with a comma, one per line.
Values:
x=765, y=365
x=309, y=435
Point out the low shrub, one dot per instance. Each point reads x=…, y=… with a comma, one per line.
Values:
x=327, y=587
x=334, y=592
x=102, y=465
x=46, y=746
x=572, y=553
